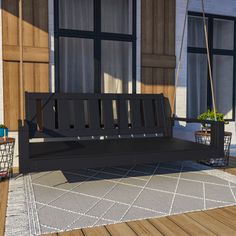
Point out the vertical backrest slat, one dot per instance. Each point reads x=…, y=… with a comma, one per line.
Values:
x=148, y=113
x=63, y=108
x=79, y=115
x=107, y=111
x=49, y=112
x=135, y=111
x=123, y=123
x=94, y=114
x=159, y=113
x=31, y=113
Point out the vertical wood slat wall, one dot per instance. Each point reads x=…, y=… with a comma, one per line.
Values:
x=158, y=59
x=35, y=53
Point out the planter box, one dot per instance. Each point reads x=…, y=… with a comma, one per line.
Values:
x=204, y=137
x=3, y=131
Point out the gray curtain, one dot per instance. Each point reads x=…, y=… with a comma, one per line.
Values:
x=117, y=16
x=76, y=14
x=116, y=56
x=116, y=67
x=197, y=69
x=76, y=65
x=77, y=55
x=197, y=84
x=223, y=34
x=223, y=84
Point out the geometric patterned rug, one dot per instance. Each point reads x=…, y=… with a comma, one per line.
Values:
x=61, y=201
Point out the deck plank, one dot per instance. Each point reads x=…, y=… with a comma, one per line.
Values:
x=211, y=223
x=120, y=229
x=226, y=217
x=71, y=233
x=143, y=227
x=231, y=168
x=167, y=227
x=53, y=234
x=96, y=231
x=4, y=185
x=189, y=225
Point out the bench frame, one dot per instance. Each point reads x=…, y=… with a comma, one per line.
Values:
x=48, y=116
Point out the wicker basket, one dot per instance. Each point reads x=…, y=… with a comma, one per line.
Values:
x=6, y=157
x=204, y=137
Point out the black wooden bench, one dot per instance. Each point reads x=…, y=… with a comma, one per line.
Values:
x=104, y=130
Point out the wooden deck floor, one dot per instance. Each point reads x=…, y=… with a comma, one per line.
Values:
x=221, y=221
x=3, y=204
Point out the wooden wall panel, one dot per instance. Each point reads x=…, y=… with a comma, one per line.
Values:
x=158, y=59
x=10, y=25
x=35, y=53
x=11, y=89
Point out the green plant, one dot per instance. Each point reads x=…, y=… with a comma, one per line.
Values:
x=3, y=126
x=210, y=115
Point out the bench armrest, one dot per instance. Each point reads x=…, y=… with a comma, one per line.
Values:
x=217, y=132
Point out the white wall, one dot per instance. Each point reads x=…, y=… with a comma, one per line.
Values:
x=219, y=7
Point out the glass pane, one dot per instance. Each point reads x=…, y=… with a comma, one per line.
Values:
x=116, y=67
x=76, y=65
x=117, y=16
x=223, y=34
x=197, y=84
x=223, y=84
x=196, y=35
x=76, y=14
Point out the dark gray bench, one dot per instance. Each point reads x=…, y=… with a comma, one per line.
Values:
x=104, y=130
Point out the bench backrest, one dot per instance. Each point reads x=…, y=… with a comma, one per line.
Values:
x=73, y=115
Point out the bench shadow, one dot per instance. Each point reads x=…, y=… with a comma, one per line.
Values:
x=124, y=172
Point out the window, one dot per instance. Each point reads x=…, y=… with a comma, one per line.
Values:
x=222, y=47
x=95, y=46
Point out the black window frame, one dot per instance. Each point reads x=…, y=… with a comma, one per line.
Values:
x=222, y=52
x=97, y=35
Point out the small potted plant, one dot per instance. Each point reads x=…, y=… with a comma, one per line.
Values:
x=210, y=115
x=3, y=131
x=204, y=136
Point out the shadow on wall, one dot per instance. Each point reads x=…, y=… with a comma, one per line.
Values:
x=33, y=12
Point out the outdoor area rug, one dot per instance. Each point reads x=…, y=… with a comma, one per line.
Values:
x=61, y=201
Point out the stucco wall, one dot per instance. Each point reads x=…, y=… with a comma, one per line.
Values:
x=226, y=7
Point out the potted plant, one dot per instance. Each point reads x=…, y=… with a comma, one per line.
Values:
x=210, y=115
x=3, y=131
x=204, y=136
